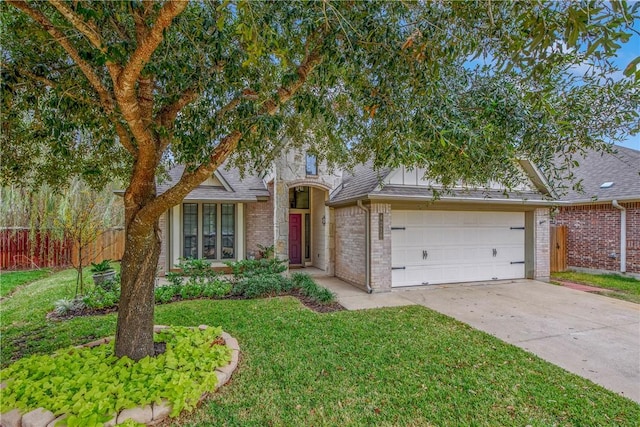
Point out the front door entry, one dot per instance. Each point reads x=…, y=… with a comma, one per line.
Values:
x=295, y=238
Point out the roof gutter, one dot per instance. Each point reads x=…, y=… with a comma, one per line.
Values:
x=623, y=235
x=396, y=198
x=367, y=245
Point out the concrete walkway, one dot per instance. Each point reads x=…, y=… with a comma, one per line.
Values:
x=593, y=336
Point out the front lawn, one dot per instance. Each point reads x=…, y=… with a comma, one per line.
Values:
x=624, y=287
x=10, y=280
x=394, y=366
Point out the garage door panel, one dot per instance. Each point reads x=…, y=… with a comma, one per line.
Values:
x=460, y=246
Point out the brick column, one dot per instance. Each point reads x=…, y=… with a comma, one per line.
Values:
x=542, y=253
x=380, y=247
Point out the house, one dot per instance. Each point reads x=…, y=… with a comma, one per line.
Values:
x=603, y=221
x=374, y=229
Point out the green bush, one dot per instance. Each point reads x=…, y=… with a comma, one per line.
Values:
x=311, y=289
x=91, y=384
x=66, y=306
x=197, y=271
x=99, y=298
x=216, y=289
x=164, y=294
x=262, y=285
x=256, y=267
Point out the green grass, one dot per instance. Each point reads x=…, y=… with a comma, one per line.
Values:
x=387, y=367
x=10, y=280
x=624, y=287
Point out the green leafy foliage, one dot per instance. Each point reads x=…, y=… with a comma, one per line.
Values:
x=100, y=297
x=101, y=267
x=262, y=285
x=68, y=306
x=311, y=289
x=253, y=267
x=91, y=384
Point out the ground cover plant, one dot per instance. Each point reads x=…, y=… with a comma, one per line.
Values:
x=10, y=280
x=622, y=287
x=91, y=385
x=395, y=366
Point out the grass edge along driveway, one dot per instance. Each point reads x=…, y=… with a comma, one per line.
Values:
x=393, y=366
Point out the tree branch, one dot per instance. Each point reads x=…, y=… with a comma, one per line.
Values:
x=227, y=145
x=88, y=30
x=125, y=83
x=148, y=45
x=105, y=97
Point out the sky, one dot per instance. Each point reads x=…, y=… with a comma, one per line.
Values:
x=626, y=54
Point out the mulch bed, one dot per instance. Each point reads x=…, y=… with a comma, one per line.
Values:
x=306, y=301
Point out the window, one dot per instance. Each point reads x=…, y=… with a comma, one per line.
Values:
x=312, y=164
x=209, y=226
x=299, y=198
x=228, y=231
x=190, y=230
x=307, y=236
x=215, y=240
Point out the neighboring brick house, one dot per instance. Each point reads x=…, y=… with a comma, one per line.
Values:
x=374, y=229
x=610, y=197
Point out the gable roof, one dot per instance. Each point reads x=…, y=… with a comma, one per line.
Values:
x=366, y=183
x=621, y=167
x=248, y=189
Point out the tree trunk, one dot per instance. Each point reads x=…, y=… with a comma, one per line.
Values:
x=134, y=334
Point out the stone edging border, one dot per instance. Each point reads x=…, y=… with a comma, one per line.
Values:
x=148, y=414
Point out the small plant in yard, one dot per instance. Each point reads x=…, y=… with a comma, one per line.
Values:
x=90, y=385
x=310, y=288
x=68, y=306
x=262, y=285
x=102, y=272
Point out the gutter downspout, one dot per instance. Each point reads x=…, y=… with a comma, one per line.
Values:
x=367, y=245
x=623, y=235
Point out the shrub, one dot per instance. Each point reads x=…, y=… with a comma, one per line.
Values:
x=311, y=289
x=256, y=267
x=99, y=298
x=175, y=279
x=164, y=294
x=197, y=271
x=216, y=289
x=262, y=285
x=66, y=306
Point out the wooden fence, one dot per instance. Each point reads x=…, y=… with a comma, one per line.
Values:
x=21, y=249
x=558, y=250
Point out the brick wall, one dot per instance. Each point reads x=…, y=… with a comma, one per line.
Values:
x=542, y=263
x=258, y=225
x=593, y=236
x=380, y=248
x=350, y=245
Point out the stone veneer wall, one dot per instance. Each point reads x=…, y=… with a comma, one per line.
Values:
x=380, y=247
x=350, y=245
x=593, y=236
x=259, y=225
x=542, y=261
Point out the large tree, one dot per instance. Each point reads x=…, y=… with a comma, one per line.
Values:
x=105, y=89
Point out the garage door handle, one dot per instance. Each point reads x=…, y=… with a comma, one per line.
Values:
x=425, y=254
x=517, y=262
x=398, y=228
x=495, y=252
x=398, y=268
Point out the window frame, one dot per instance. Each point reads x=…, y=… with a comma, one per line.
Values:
x=200, y=237
x=311, y=171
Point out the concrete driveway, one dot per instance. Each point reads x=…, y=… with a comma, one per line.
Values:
x=593, y=336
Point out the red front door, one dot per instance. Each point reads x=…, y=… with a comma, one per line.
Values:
x=295, y=238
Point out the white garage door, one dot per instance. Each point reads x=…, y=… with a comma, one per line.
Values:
x=430, y=247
